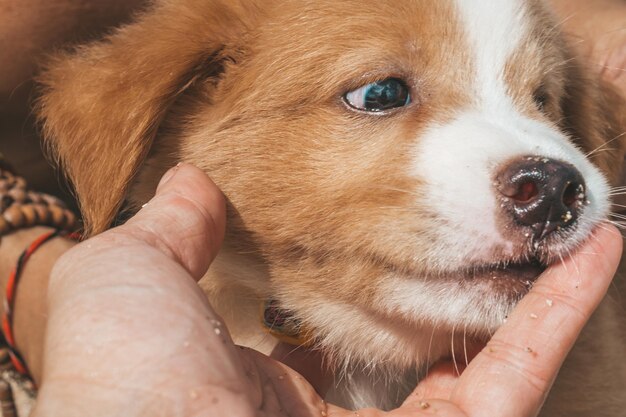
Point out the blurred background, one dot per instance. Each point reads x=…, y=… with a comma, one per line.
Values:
x=30, y=30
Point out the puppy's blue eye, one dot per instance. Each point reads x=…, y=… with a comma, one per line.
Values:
x=379, y=96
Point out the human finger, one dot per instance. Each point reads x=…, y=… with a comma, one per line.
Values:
x=514, y=373
x=185, y=219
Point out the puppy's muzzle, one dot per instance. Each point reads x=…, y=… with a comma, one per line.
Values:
x=543, y=194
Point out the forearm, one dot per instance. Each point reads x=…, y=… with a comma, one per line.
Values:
x=30, y=310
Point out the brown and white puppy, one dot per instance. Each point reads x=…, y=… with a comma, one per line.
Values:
x=398, y=172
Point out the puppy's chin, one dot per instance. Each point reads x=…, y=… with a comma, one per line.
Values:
x=506, y=280
x=409, y=318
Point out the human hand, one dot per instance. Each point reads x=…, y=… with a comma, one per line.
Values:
x=131, y=334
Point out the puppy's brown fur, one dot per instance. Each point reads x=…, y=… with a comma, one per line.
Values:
x=319, y=211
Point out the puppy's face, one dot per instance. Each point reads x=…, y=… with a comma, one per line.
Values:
x=404, y=170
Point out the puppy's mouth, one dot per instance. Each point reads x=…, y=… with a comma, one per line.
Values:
x=508, y=279
x=535, y=257
x=525, y=272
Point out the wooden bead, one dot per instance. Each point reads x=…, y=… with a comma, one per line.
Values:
x=30, y=215
x=20, y=182
x=58, y=215
x=7, y=175
x=35, y=197
x=20, y=207
x=5, y=202
x=29, y=385
x=6, y=400
x=14, y=216
x=17, y=194
x=50, y=200
x=5, y=360
x=70, y=220
x=5, y=391
x=43, y=214
x=5, y=227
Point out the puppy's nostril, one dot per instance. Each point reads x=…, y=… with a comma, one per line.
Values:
x=526, y=192
x=541, y=193
x=574, y=194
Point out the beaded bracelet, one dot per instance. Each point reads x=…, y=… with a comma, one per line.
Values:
x=9, y=297
x=22, y=208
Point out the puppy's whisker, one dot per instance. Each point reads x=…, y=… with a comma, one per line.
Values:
x=456, y=365
x=490, y=332
x=563, y=63
x=620, y=226
x=465, y=345
x=603, y=150
x=589, y=253
x=563, y=263
x=594, y=237
x=619, y=221
x=570, y=254
x=555, y=30
x=605, y=144
x=430, y=345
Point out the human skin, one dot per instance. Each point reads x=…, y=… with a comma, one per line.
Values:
x=130, y=333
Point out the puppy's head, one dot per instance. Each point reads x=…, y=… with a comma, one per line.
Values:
x=403, y=169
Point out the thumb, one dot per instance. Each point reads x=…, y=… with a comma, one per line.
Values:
x=185, y=220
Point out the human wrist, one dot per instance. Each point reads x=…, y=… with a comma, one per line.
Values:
x=29, y=312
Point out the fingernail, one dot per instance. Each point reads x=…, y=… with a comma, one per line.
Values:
x=167, y=177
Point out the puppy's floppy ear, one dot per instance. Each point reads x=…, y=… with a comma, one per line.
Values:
x=102, y=104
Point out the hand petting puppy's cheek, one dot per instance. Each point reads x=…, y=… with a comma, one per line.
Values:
x=193, y=193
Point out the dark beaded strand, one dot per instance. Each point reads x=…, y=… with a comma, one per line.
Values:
x=21, y=208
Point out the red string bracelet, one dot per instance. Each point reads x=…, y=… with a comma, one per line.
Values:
x=9, y=296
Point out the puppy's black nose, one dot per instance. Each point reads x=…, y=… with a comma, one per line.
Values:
x=542, y=193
